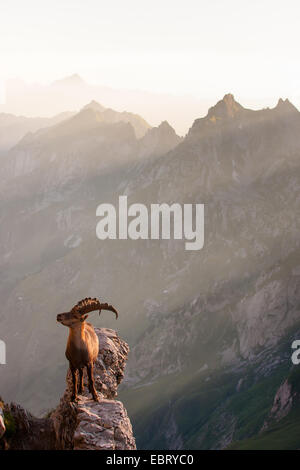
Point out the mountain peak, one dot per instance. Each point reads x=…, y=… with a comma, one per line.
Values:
x=225, y=108
x=229, y=98
x=95, y=106
x=75, y=77
x=285, y=105
x=72, y=80
x=164, y=125
x=159, y=140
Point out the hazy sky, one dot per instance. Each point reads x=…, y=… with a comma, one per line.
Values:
x=204, y=48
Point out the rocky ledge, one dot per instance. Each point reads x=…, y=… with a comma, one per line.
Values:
x=86, y=424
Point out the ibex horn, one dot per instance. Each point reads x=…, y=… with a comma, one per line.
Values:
x=108, y=307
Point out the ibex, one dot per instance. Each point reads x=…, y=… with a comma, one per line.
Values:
x=83, y=344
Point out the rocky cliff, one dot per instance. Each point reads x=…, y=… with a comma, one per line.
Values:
x=86, y=424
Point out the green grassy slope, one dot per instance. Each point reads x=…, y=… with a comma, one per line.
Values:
x=284, y=435
x=201, y=411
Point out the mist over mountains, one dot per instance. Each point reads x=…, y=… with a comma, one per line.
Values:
x=209, y=331
x=72, y=93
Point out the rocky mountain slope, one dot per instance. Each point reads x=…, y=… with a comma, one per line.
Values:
x=210, y=330
x=86, y=424
x=240, y=294
x=110, y=116
x=159, y=140
x=14, y=128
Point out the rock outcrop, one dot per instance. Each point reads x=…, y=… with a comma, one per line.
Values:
x=282, y=404
x=286, y=398
x=92, y=425
x=25, y=432
x=158, y=141
x=86, y=424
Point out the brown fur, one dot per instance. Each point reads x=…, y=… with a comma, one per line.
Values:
x=83, y=344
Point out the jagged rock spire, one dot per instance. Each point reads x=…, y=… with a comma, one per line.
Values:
x=225, y=108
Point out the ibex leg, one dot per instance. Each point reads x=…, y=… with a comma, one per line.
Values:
x=80, y=385
x=74, y=380
x=90, y=371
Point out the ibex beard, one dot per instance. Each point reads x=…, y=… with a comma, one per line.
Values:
x=83, y=344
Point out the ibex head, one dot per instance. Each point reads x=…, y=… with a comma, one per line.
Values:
x=79, y=312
